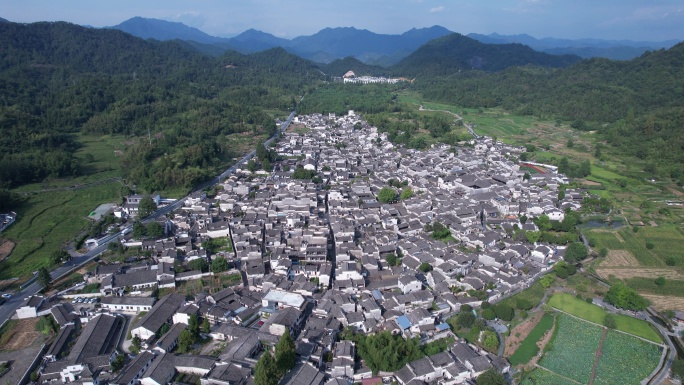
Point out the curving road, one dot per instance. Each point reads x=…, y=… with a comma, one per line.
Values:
x=11, y=305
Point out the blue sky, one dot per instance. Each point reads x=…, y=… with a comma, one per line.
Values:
x=650, y=20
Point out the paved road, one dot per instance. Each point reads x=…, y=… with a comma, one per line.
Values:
x=11, y=305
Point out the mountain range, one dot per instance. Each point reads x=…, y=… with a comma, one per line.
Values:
x=372, y=48
x=585, y=48
x=323, y=47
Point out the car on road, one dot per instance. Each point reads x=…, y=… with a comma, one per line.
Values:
x=6, y=295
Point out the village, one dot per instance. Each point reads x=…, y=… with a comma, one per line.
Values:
x=313, y=253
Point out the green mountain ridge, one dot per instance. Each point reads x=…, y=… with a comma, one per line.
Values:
x=60, y=79
x=453, y=53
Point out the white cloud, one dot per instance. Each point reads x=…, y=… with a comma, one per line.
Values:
x=437, y=9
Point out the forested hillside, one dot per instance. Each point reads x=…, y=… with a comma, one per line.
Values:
x=58, y=80
x=455, y=52
x=637, y=105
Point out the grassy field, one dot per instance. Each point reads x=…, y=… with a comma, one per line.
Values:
x=593, y=313
x=534, y=294
x=47, y=221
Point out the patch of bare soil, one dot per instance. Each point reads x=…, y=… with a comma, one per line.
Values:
x=541, y=344
x=677, y=192
x=23, y=334
x=519, y=333
x=6, y=248
x=620, y=258
x=663, y=302
x=644, y=272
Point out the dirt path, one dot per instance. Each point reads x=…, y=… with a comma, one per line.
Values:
x=6, y=248
x=599, y=352
x=541, y=344
x=519, y=333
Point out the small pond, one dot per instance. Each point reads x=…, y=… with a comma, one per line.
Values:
x=596, y=224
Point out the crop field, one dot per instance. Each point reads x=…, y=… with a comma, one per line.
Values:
x=662, y=302
x=576, y=347
x=596, y=314
x=625, y=360
x=568, y=355
x=620, y=258
x=528, y=348
x=541, y=376
x=671, y=287
x=628, y=273
x=608, y=239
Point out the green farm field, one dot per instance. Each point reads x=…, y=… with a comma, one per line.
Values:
x=578, y=347
x=590, y=312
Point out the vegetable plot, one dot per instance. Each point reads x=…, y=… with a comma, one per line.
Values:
x=573, y=348
x=626, y=360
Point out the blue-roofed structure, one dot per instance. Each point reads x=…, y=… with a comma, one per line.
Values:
x=442, y=327
x=403, y=322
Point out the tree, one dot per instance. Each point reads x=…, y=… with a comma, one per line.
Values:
x=527, y=176
x=199, y=264
x=136, y=345
x=185, y=341
x=609, y=321
x=465, y=319
x=621, y=296
x=266, y=371
x=491, y=377
x=575, y=252
x=504, y=311
x=285, y=354
x=488, y=314
x=266, y=165
x=44, y=278
x=252, y=166
x=543, y=222
x=219, y=264
x=155, y=230
x=490, y=341
x=193, y=326
x=406, y=193
x=59, y=256
x=392, y=259
x=139, y=230
x=603, y=252
x=425, y=267
x=163, y=329
x=118, y=362
x=523, y=219
x=660, y=281
x=650, y=245
x=146, y=207
x=387, y=195
x=524, y=304
x=206, y=327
